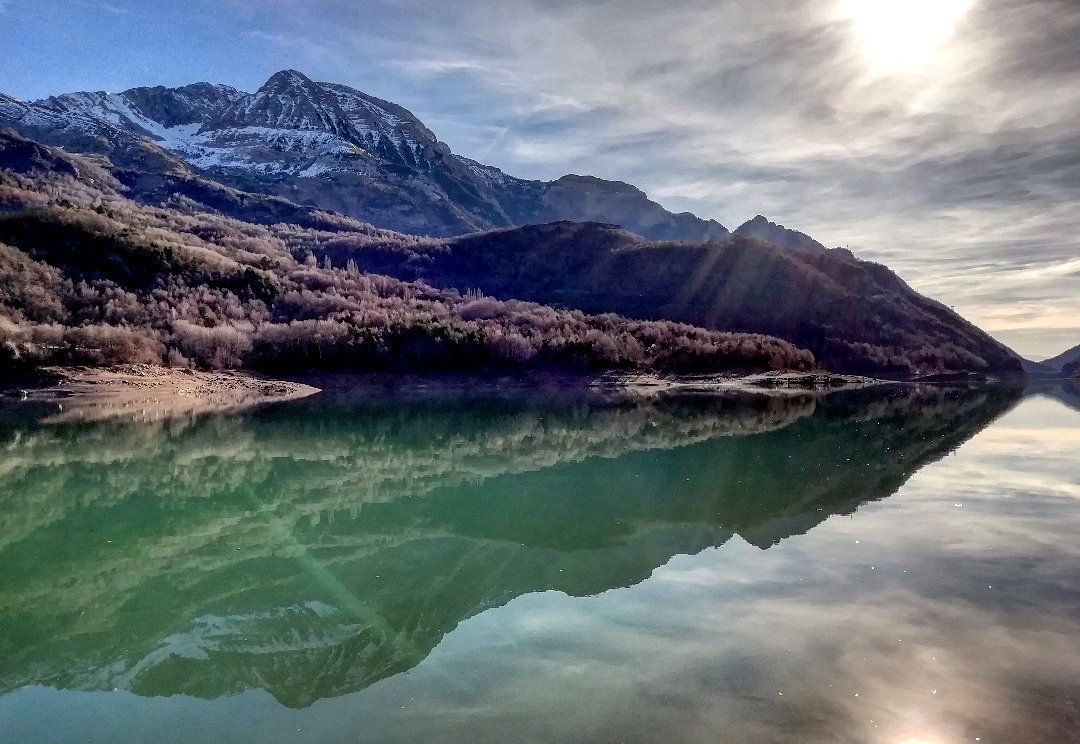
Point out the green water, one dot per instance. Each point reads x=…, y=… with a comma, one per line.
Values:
x=892, y=566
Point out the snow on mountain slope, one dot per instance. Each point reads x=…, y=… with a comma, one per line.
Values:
x=188, y=104
x=290, y=126
x=490, y=174
x=11, y=108
x=293, y=125
x=330, y=146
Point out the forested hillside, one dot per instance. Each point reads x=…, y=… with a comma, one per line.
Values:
x=90, y=277
x=855, y=316
x=311, y=288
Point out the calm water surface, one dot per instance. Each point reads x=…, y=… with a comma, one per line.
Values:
x=898, y=566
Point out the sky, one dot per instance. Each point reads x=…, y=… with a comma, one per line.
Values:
x=940, y=137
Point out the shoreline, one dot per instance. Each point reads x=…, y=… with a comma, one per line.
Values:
x=148, y=393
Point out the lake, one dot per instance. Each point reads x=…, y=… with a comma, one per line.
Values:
x=891, y=565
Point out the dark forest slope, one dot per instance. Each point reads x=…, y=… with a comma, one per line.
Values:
x=90, y=277
x=69, y=219
x=855, y=316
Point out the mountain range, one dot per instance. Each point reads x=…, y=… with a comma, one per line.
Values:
x=89, y=276
x=855, y=316
x=345, y=168
x=332, y=147
x=1066, y=361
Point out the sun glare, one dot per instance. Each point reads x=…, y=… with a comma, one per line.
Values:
x=903, y=35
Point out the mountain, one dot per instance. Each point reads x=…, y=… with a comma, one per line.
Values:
x=855, y=316
x=1064, y=364
x=1062, y=360
x=587, y=199
x=90, y=277
x=327, y=146
x=761, y=228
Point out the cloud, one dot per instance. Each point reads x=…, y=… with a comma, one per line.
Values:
x=309, y=50
x=435, y=67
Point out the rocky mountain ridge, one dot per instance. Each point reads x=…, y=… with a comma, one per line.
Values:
x=68, y=213
x=1063, y=360
x=855, y=316
x=332, y=147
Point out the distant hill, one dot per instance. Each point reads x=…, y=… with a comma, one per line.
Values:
x=88, y=276
x=855, y=316
x=327, y=146
x=761, y=227
x=1063, y=360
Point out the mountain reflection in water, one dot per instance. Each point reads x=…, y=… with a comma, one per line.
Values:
x=313, y=549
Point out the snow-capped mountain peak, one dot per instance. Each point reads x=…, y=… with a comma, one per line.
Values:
x=330, y=146
x=291, y=126
x=11, y=108
x=188, y=104
x=288, y=100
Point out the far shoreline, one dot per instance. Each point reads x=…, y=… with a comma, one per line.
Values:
x=147, y=392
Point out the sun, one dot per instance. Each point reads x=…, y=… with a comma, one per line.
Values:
x=903, y=35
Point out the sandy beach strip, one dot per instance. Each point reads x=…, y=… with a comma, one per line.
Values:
x=148, y=393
